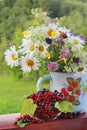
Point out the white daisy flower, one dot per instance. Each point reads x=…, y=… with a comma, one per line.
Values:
x=25, y=41
x=52, y=30
x=76, y=42
x=28, y=48
x=42, y=49
x=11, y=57
x=64, y=31
x=28, y=63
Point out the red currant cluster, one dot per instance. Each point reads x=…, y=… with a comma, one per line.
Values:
x=47, y=114
x=27, y=119
x=72, y=92
x=69, y=115
x=45, y=100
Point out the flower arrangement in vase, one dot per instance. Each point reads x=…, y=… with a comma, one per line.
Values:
x=50, y=45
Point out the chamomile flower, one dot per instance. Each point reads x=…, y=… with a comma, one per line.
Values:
x=28, y=48
x=63, y=32
x=28, y=63
x=52, y=31
x=76, y=42
x=11, y=57
x=42, y=49
x=25, y=41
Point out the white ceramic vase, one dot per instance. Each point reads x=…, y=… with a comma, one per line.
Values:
x=58, y=80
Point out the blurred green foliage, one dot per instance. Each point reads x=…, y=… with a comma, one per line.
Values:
x=15, y=17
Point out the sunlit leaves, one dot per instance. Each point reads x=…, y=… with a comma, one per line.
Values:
x=28, y=107
x=65, y=106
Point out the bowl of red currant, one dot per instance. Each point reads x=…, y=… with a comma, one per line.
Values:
x=45, y=100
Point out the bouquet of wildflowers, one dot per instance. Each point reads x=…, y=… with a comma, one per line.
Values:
x=49, y=43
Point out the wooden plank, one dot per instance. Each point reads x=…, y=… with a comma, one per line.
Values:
x=80, y=123
x=7, y=121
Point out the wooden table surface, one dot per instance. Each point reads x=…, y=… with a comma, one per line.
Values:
x=80, y=123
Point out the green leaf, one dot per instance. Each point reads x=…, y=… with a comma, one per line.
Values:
x=70, y=80
x=78, y=80
x=64, y=106
x=76, y=102
x=20, y=124
x=28, y=107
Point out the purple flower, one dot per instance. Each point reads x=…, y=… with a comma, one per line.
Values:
x=73, y=34
x=82, y=37
x=52, y=66
x=76, y=60
x=48, y=40
x=60, y=40
x=64, y=53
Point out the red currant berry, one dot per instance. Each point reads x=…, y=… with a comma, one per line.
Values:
x=66, y=93
x=59, y=98
x=74, y=84
x=63, y=90
x=71, y=98
x=33, y=121
x=78, y=92
x=20, y=118
x=70, y=88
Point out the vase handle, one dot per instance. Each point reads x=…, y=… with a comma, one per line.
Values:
x=41, y=79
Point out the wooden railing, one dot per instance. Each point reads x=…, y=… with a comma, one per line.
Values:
x=80, y=123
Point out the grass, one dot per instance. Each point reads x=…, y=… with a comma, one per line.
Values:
x=12, y=92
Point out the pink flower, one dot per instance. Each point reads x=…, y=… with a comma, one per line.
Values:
x=52, y=66
x=64, y=53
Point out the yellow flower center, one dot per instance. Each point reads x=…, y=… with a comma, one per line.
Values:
x=51, y=33
x=48, y=55
x=31, y=47
x=62, y=33
x=29, y=62
x=13, y=57
x=80, y=69
x=41, y=48
x=25, y=32
x=76, y=41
